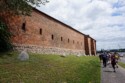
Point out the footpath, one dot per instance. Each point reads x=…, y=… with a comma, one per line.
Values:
x=108, y=76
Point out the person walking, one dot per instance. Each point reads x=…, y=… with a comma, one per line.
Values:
x=113, y=61
x=104, y=59
x=108, y=58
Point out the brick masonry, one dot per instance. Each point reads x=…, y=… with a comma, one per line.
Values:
x=40, y=33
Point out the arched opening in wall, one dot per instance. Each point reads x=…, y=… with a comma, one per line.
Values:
x=40, y=31
x=81, y=43
x=52, y=37
x=61, y=38
x=24, y=26
x=68, y=40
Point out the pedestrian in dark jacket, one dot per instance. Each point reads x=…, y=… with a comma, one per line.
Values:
x=104, y=58
x=113, y=61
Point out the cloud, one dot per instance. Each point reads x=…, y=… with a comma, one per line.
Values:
x=104, y=20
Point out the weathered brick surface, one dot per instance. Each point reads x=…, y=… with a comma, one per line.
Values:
x=86, y=45
x=39, y=29
x=90, y=45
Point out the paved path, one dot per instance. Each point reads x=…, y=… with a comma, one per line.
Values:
x=108, y=76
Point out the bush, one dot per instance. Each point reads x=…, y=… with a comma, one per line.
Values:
x=5, y=34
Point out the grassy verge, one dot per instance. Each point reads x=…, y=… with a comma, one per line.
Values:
x=49, y=69
x=122, y=64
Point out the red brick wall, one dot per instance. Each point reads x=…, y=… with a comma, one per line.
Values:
x=63, y=35
x=90, y=45
x=94, y=41
x=51, y=27
x=86, y=45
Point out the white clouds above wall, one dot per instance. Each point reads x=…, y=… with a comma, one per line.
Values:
x=104, y=20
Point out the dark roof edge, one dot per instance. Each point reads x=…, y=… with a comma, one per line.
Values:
x=57, y=21
x=90, y=37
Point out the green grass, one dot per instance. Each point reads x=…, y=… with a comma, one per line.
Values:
x=122, y=64
x=49, y=69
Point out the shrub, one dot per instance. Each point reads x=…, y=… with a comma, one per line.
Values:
x=5, y=35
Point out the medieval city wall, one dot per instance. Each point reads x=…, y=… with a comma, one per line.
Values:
x=40, y=33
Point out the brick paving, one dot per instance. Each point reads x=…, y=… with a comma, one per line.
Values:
x=108, y=76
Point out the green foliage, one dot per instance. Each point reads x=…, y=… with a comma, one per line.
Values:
x=50, y=69
x=5, y=35
x=22, y=7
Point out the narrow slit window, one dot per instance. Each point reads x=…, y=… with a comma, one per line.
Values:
x=68, y=40
x=52, y=37
x=40, y=31
x=61, y=38
x=24, y=26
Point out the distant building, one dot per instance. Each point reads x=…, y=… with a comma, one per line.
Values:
x=41, y=33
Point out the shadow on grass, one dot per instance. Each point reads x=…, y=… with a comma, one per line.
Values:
x=7, y=54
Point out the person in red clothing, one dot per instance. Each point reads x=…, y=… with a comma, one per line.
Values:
x=113, y=61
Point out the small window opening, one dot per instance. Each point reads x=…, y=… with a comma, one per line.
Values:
x=68, y=40
x=40, y=31
x=24, y=26
x=73, y=42
x=61, y=39
x=52, y=37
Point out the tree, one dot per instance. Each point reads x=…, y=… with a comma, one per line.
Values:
x=22, y=7
x=5, y=35
x=18, y=7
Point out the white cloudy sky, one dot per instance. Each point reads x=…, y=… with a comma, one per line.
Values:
x=104, y=20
